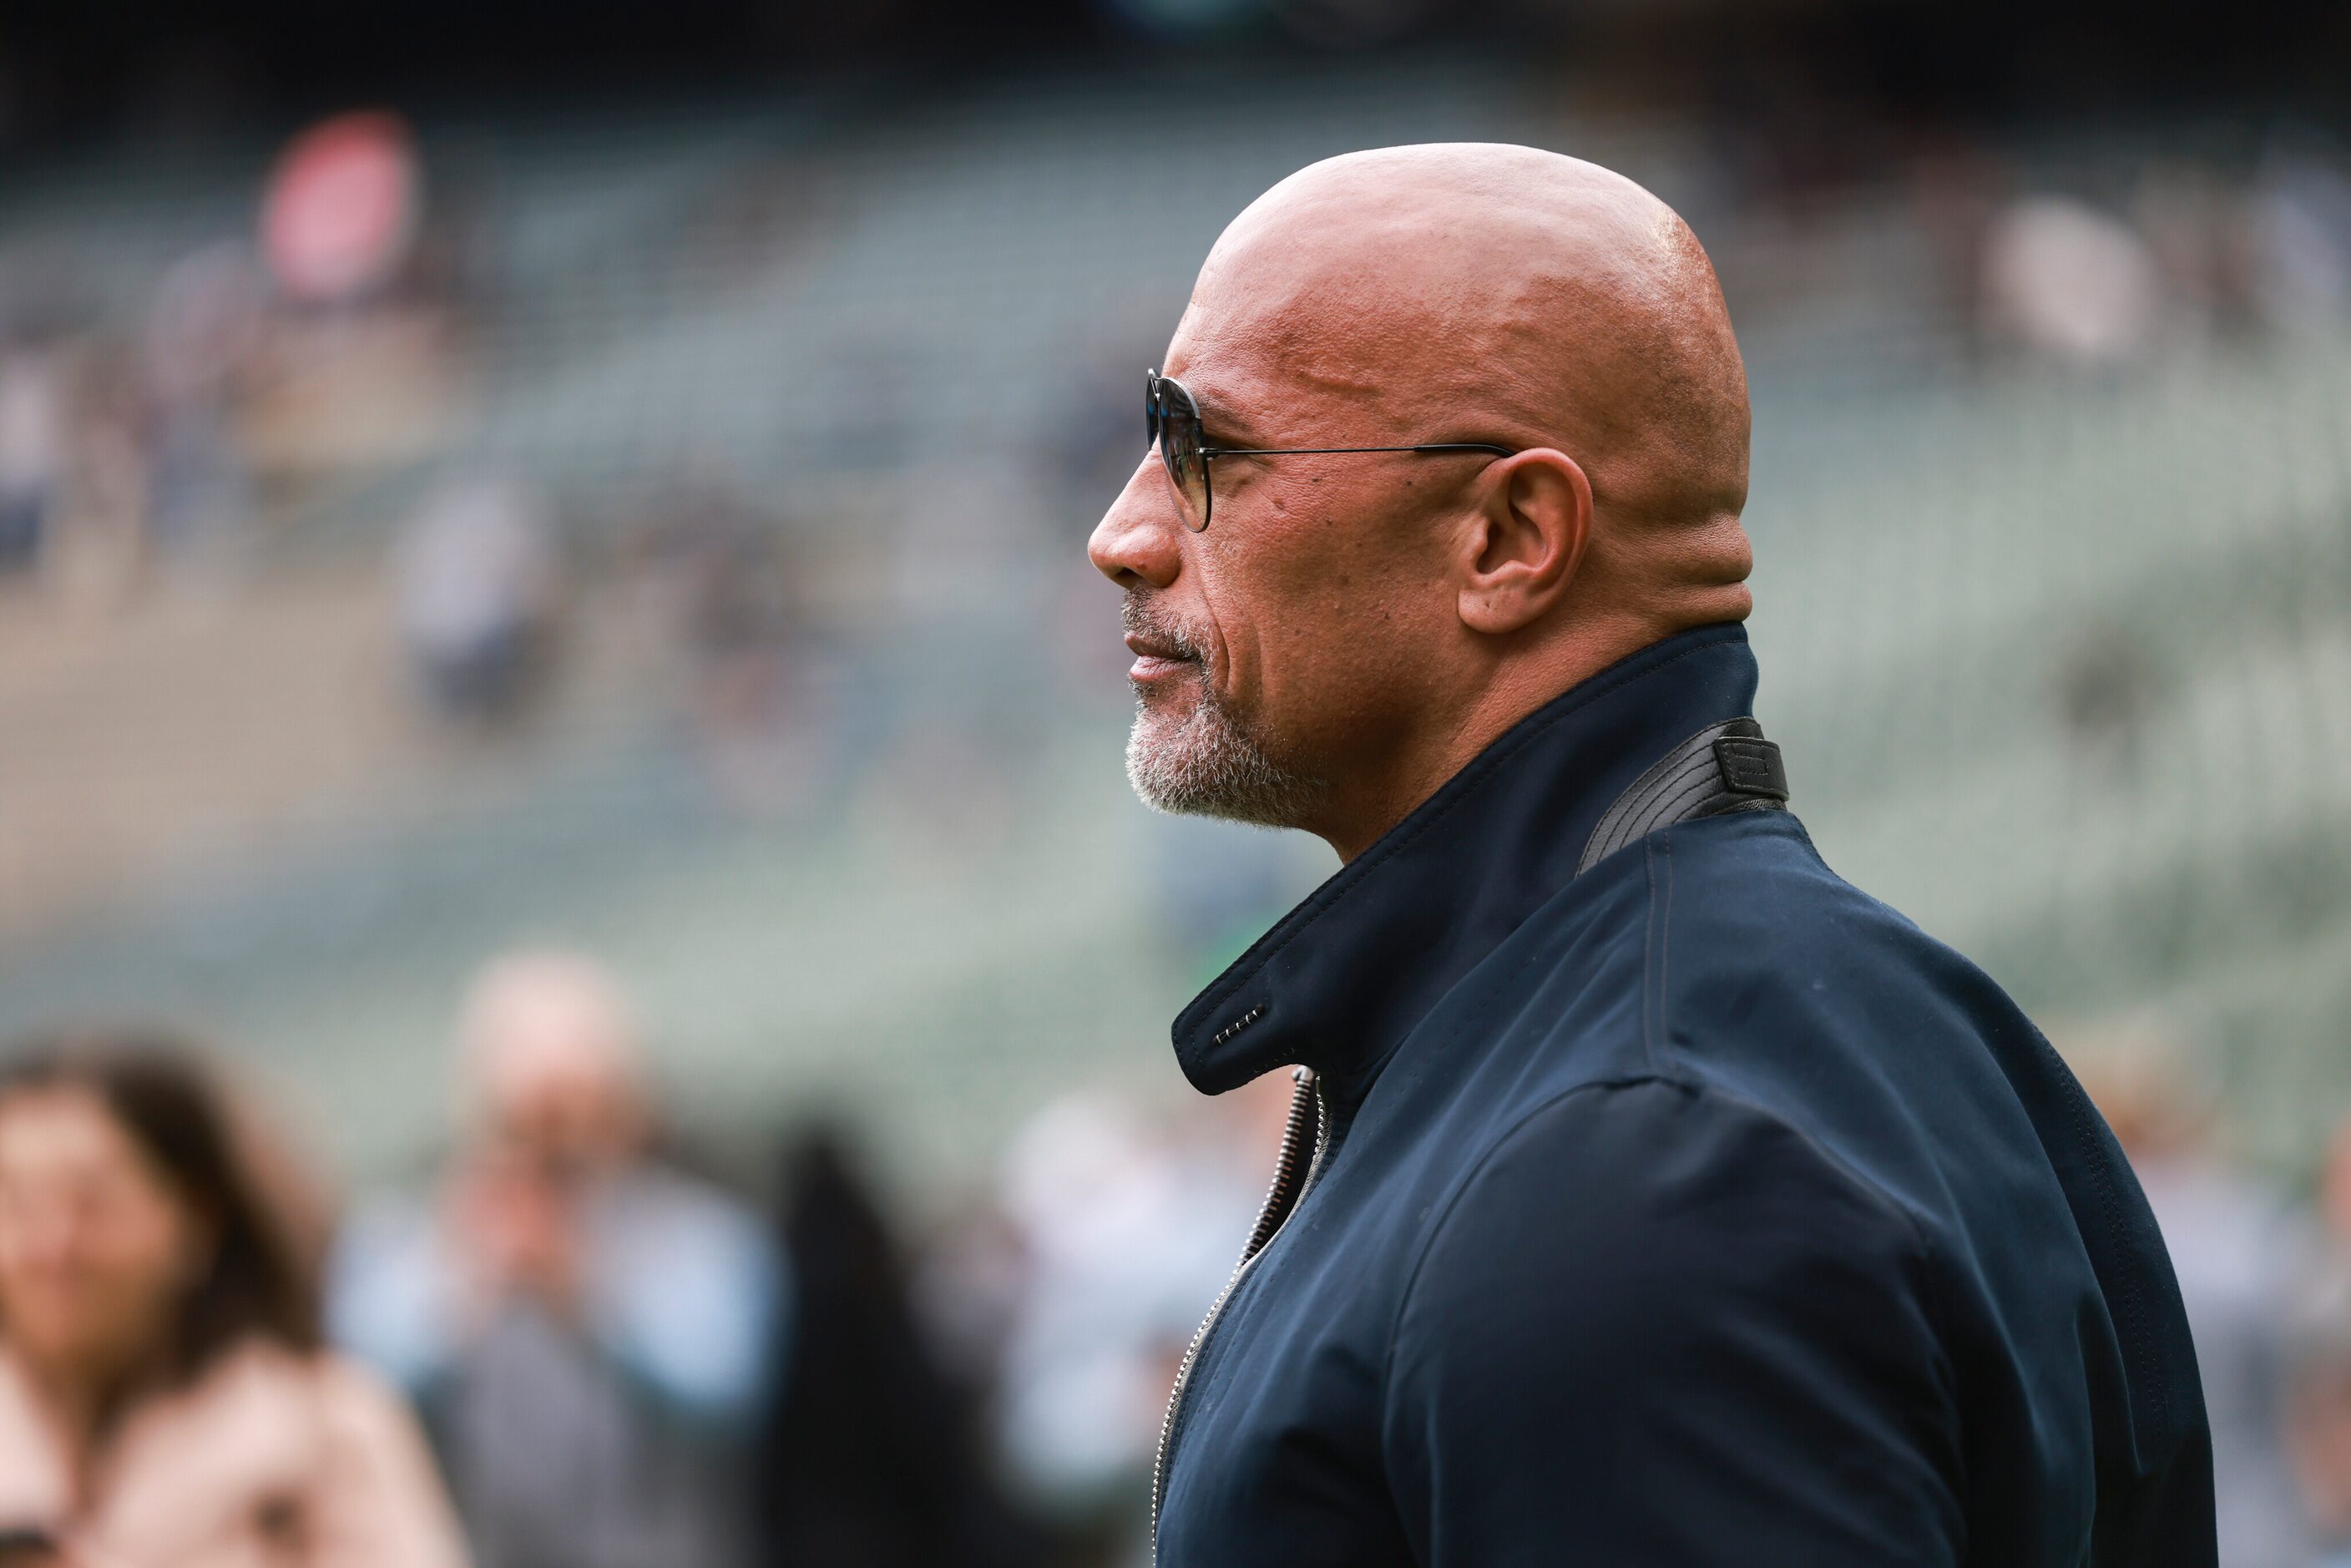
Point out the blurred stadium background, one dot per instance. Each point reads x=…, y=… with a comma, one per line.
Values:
x=631, y=495
x=815, y=390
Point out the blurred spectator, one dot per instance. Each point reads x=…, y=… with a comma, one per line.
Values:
x=2318, y=1406
x=203, y=327
x=344, y=204
x=589, y=1332
x=2300, y=219
x=725, y=595
x=2334, y=1189
x=1955, y=187
x=2232, y=1245
x=2067, y=282
x=871, y=1459
x=478, y=592
x=163, y=1402
x=98, y=549
x=2109, y=685
x=33, y=448
x=2319, y=1367
x=2192, y=219
x=968, y=1286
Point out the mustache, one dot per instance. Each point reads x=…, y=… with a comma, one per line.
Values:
x=1140, y=615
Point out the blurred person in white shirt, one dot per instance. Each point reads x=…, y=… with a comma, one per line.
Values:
x=479, y=586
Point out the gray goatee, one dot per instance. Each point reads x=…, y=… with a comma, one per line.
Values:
x=1207, y=763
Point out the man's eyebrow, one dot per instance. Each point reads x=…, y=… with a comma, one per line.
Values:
x=1216, y=418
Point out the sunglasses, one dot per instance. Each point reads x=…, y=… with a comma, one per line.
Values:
x=1171, y=423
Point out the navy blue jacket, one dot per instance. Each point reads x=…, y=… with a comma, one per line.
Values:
x=1698, y=1209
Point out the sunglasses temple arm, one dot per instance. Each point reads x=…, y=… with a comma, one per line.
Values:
x=1315, y=451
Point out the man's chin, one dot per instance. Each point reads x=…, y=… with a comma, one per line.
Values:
x=1157, y=749
x=1190, y=759
x=1171, y=705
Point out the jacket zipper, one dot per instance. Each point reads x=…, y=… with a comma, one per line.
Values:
x=1288, y=1190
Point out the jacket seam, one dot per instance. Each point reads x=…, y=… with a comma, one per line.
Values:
x=1657, y=1043
x=1657, y=840
x=1670, y=1069
x=1648, y=953
x=1879, y=1198
x=1251, y=964
x=1467, y=1179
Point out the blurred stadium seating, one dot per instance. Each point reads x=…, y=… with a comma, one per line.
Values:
x=903, y=328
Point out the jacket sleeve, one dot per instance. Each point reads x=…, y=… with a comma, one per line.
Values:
x=1659, y=1326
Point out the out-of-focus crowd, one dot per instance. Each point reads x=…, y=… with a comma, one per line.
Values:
x=573, y=1344
x=565, y=1348
x=2267, y=1283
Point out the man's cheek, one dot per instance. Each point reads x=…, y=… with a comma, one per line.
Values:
x=1267, y=603
x=1232, y=664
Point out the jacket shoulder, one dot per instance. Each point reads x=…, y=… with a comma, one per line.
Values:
x=1754, y=937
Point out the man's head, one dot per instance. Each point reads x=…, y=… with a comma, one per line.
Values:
x=1351, y=630
x=551, y=1063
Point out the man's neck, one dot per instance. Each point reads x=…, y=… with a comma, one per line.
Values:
x=1461, y=729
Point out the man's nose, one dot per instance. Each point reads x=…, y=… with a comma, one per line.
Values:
x=1135, y=543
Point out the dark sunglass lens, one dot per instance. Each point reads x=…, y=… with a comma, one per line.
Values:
x=1150, y=409
x=1179, y=448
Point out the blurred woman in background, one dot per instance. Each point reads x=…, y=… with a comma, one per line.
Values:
x=163, y=1399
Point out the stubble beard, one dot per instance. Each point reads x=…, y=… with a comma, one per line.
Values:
x=1209, y=763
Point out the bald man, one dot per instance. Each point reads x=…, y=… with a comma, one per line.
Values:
x=1653, y=1197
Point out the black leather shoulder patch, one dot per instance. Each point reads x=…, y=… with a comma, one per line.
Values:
x=1751, y=766
x=1726, y=766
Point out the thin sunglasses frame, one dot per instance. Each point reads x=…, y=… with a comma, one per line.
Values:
x=1159, y=411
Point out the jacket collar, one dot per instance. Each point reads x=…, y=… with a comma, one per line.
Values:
x=1347, y=974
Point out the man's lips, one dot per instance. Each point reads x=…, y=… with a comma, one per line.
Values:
x=1155, y=658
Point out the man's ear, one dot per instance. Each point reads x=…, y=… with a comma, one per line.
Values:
x=1527, y=538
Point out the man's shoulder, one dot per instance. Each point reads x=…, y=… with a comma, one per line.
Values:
x=1730, y=933
x=1751, y=935
x=1750, y=886
x=1739, y=968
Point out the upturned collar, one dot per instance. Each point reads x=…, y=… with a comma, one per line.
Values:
x=1343, y=977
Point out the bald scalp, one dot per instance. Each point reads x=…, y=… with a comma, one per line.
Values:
x=1475, y=291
